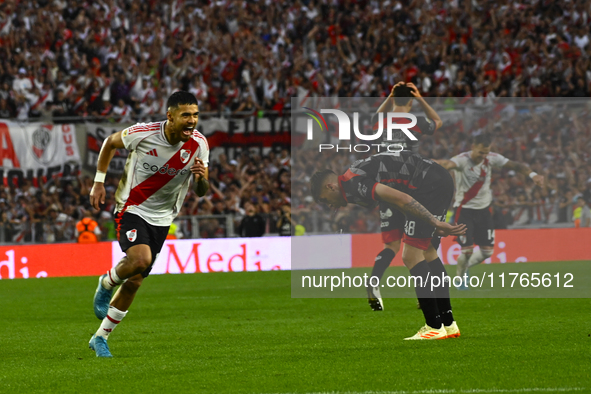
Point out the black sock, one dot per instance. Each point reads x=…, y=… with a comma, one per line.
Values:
x=382, y=262
x=442, y=292
x=425, y=295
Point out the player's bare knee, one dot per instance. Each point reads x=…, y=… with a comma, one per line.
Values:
x=430, y=254
x=467, y=251
x=140, y=262
x=394, y=246
x=487, y=251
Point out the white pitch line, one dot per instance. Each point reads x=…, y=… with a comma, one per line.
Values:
x=454, y=391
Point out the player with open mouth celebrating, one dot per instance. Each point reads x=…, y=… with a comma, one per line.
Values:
x=422, y=190
x=163, y=158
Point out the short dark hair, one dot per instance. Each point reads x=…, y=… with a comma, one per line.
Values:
x=317, y=182
x=483, y=139
x=180, y=98
x=402, y=95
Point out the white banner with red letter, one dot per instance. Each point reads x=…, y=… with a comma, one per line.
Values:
x=37, y=150
x=219, y=255
x=96, y=133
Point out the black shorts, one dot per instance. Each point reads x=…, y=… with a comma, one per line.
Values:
x=391, y=222
x=435, y=194
x=133, y=230
x=480, y=228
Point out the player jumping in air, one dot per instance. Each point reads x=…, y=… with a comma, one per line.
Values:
x=163, y=158
x=391, y=219
x=422, y=190
x=473, y=198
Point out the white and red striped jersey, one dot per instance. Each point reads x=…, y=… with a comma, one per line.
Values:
x=157, y=175
x=473, y=180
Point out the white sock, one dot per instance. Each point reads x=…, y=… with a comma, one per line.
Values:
x=112, y=280
x=462, y=265
x=476, y=258
x=479, y=256
x=114, y=317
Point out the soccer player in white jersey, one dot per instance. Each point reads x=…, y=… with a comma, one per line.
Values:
x=473, y=198
x=163, y=158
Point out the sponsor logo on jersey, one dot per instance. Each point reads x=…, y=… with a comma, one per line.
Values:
x=362, y=189
x=165, y=169
x=385, y=215
x=131, y=235
x=185, y=154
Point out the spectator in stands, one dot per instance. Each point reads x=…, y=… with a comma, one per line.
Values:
x=581, y=213
x=61, y=106
x=285, y=222
x=253, y=224
x=87, y=229
x=5, y=112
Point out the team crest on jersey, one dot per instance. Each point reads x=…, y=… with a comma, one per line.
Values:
x=131, y=235
x=185, y=154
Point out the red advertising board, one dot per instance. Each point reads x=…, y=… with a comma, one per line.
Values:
x=177, y=256
x=510, y=246
x=39, y=261
x=272, y=253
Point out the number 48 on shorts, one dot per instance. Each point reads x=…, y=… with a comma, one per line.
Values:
x=420, y=229
x=409, y=227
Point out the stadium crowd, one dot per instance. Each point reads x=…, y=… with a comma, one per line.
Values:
x=120, y=60
x=48, y=213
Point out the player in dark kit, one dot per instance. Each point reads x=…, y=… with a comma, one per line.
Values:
x=422, y=190
x=391, y=219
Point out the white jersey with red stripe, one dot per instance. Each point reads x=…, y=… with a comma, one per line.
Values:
x=473, y=180
x=157, y=175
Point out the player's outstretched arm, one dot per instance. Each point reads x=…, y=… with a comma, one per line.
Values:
x=447, y=164
x=410, y=206
x=525, y=170
x=110, y=146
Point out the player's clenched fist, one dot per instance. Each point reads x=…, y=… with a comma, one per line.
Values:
x=97, y=194
x=198, y=168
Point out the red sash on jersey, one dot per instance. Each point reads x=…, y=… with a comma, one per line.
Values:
x=473, y=191
x=155, y=182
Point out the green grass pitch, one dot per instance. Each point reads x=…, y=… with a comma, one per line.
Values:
x=243, y=333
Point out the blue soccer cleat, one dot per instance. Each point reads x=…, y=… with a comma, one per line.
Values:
x=102, y=298
x=99, y=345
x=465, y=283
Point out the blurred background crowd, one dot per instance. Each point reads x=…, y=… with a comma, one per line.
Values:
x=555, y=140
x=120, y=60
